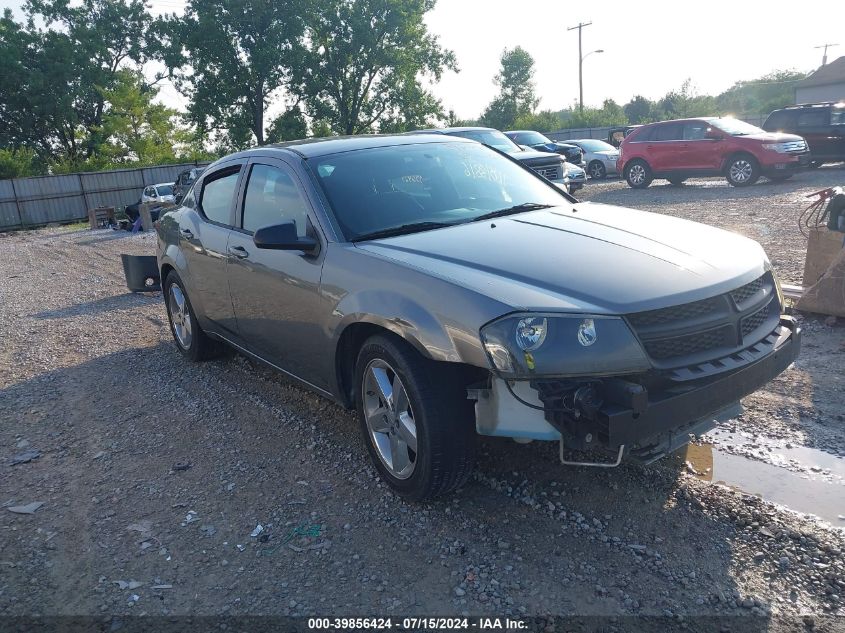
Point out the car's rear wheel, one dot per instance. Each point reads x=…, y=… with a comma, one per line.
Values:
x=415, y=417
x=190, y=339
x=742, y=171
x=638, y=174
x=676, y=180
x=597, y=170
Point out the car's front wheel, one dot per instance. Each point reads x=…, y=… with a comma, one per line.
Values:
x=190, y=339
x=638, y=174
x=415, y=417
x=597, y=170
x=742, y=170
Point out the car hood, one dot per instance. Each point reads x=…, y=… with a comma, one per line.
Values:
x=772, y=137
x=530, y=155
x=582, y=258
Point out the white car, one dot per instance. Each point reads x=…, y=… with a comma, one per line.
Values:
x=162, y=192
x=575, y=177
x=600, y=157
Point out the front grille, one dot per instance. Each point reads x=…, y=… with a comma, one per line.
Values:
x=687, y=345
x=551, y=172
x=795, y=147
x=749, y=324
x=675, y=313
x=702, y=330
x=747, y=291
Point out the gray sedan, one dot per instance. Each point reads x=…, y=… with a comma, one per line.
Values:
x=600, y=157
x=444, y=290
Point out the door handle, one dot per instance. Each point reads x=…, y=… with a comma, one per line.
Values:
x=186, y=233
x=238, y=251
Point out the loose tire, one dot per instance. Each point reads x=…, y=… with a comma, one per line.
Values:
x=742, y=170
x=638, y=174
x=597, y=170
x=190, y=339
x=676, y=181
x=415, y=417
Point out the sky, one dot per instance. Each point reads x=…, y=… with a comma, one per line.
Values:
x=649, y=48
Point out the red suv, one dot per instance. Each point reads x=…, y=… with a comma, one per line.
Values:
x=680, y=149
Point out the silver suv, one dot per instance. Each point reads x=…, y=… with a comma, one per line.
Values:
x=444, y=290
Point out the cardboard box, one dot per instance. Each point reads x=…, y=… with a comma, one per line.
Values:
x=827, y=295
x=823, y=248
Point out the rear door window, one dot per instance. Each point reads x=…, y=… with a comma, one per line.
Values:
x=814, y=118
x=218, y=195
x=837, y=116
x=668, y=132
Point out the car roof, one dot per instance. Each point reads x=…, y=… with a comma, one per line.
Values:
x=316, y=147
x=523, y=132
x=161, y=184
x=452, y=130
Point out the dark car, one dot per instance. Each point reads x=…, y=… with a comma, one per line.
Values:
x=724, y=146
x=539, y=142
x=442, y=290
x=549, y=166
x=184, y=181
x=822, y=125
x=616, y=135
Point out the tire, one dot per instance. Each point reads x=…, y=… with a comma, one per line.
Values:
x=742, y=170
x=189, y=337
x=638, y=174
x=676, y=181
x=597, y=170
x=434, y=417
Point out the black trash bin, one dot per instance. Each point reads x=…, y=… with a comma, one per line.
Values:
x=141, y=273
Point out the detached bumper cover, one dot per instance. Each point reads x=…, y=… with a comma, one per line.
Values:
x=671, y=412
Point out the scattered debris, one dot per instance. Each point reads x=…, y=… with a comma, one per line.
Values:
x=25, y=457
x=208, y=530
x=29, y=508
x=99, y=455
x=181, y=466
x=128, y=584
x=190, y=517
x=240, y=548
x=162, y=587
x=141, y=526
x=258, y=530
x=306, y=530
x=22, y=444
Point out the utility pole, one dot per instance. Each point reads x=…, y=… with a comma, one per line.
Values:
x=580, y=26
x=824, y=56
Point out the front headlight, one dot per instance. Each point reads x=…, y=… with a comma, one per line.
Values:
x=522, y=346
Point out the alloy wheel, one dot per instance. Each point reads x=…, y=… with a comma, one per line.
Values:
x=180, y=316
x=390, y=418
x=637, y=174
x=741, y=170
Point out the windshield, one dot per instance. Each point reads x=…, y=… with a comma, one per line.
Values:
x=374, y=190
x=596, y=146
x=164, y=190
x=493, y=138
x=533, y=138
x=735, y=127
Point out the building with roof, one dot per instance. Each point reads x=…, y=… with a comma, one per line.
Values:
x=826, y=84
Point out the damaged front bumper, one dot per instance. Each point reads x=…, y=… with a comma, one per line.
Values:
x=645, y=417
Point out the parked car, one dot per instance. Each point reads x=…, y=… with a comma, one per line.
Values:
x=541, y=143
x=575, y=176
x=616, y=135
x=680, y=149
x=551, y=167
x=822, y=125
x=599, y=156
x=442, y=291
x=184, y=181
x=162, y=192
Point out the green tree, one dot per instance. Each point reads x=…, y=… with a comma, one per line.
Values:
x=364, y=63
x=543, y=121
x=136, y=130
x=516, y=96
x=230, y=57
x=73, y=64
x=290, y=125
x=638, y=110
x=762, y=95
x=16, y=163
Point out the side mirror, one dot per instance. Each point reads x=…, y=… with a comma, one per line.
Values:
x=283, y=237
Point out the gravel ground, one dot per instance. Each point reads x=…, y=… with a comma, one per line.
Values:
x=154, y=472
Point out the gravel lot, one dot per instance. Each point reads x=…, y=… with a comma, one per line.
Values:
x=154, y=472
